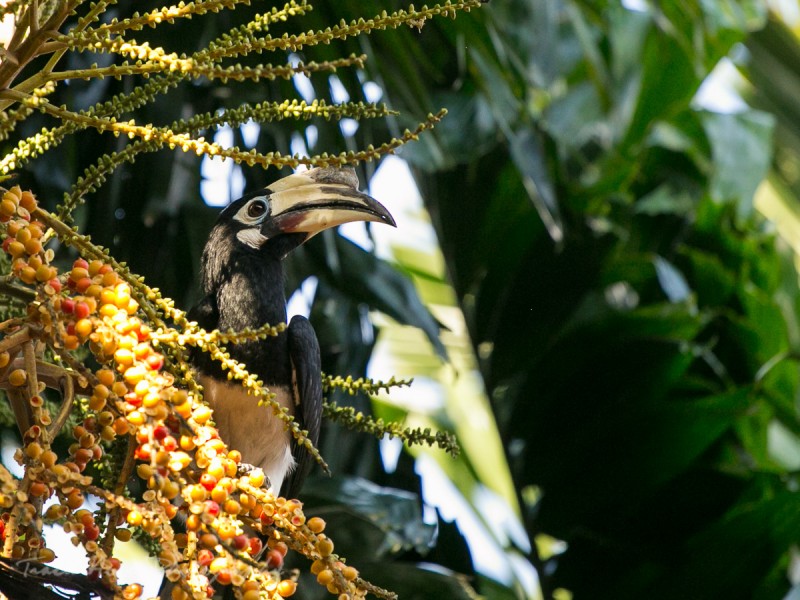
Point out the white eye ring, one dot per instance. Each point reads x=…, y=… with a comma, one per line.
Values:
x=253, y=212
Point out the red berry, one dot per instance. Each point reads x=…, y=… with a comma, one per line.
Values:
x=240, y=542
x=91, y=533
x=208, y=481
x=83, y=284
x=255, y=545
x=80, y=264
x=274, y=559
x=55, y=283
x=169, y=443
x=212, y=508
x=143, y=452
x=160, y=432
x=81, y=310
x=68, y=306
x=204, y=557
x=155, y=361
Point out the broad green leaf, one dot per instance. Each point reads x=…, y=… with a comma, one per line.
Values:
x=741, y=150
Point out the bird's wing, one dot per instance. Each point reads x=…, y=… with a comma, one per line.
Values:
x=307, y=369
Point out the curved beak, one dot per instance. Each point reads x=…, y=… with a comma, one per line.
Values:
x=319, y=199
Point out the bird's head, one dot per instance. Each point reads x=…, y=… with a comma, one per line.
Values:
x=300, y=206
x=277, y=219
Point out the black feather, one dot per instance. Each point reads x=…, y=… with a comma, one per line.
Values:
x=307, y=365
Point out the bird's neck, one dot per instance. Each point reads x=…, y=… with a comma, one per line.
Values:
x=251, y=294
x=246, y=289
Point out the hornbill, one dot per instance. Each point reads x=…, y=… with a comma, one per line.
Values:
x=242, y=278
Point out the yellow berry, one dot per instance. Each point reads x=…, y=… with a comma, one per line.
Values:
x=134, y=518
x=325, y=577
x=316, y=524
x=256, y=478
x=123, y=356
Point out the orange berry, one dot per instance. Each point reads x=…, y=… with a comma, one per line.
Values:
x=94, y=291
x=132, y=591
x=5, y=358
x=48, y=458
x=16, y=249
x=27, y=201
x=33, y=450
x=33, y=246
x=287, y=587
x=78, y=273
x=45, y=273
x=94, y=267
x=7, y=207
x=226, y=531
x=38, y=489
x=75, y=499
x=83, y=328
x=18, y=377
x=23, y=235
x=28, y=275
x=110, y=279
x=106, y=377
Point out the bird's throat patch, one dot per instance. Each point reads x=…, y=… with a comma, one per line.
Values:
x=251, y=237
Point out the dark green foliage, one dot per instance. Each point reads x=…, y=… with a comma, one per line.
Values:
x=635, y=318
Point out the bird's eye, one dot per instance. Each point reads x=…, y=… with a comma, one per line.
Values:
x=256, y=209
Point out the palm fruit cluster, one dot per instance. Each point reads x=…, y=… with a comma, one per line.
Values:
x=139, y=396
